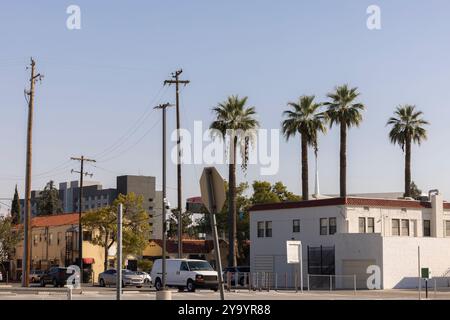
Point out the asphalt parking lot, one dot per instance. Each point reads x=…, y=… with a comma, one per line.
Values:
x=13, y=292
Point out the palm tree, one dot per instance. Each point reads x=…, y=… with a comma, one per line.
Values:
x=235, y=120
x=343, y=110
x=306, y=120
x=407, y=127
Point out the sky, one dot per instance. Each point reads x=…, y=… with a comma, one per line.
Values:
x=102, y=82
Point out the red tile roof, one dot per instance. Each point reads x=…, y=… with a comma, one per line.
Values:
x=54, y=220
x=189, y=246
x=393, y=203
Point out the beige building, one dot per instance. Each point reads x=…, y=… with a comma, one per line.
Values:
x=54, y=242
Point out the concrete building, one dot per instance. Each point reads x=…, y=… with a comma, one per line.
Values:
x=95, y=197
x=343, y=236
x=54, y=242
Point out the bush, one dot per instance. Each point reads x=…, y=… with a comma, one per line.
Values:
x=145, y=264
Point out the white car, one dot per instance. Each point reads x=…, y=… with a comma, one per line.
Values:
x=146, y=276
x=129, y=278
x=185, y=273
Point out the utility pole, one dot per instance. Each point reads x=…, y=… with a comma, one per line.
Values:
x=82, y=159
x=26, y=261
x=163, y=107
x=176, y=80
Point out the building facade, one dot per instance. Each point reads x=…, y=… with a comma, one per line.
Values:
x=344, y=236
x=54, y=242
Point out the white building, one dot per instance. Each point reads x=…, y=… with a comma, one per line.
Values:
x=343, y=236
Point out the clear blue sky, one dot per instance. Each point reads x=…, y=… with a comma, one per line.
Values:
x=101, y=79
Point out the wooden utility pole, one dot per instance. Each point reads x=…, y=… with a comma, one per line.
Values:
x=26, y=259
x=82, y=159
x=176, y=80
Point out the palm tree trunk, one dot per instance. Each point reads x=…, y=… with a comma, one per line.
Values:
x=232, y=206
x=305, y=191
x=408, y=168
x=343, y=161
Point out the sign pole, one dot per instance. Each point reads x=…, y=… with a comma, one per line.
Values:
x=119, y=252
x=213, y=211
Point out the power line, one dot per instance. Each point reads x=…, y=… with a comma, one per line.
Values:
x=133, y=129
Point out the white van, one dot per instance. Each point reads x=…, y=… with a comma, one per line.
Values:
x=185, y=273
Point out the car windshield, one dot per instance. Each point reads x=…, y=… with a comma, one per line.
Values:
x=128, y=272
x=200, y=266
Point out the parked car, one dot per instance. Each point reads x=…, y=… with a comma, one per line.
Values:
x=185, y=273
x=35, y=276
x=146, y=276
x=129, y=278
x=241, y=274
x=57, y=276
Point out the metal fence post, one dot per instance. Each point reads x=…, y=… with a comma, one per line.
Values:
x=435, y=288
x=307, y=281
x=285, y=280
x=295, y=281
x=276, y=281
x=354, y=282
x=69, y=293
x=331, y=283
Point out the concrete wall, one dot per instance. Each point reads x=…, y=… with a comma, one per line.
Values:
x=264, y=249
x=400, y=259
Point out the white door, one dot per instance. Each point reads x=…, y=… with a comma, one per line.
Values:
x=354, y=267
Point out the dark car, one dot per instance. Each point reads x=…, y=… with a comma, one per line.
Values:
x=57, y=276
x=238, y=275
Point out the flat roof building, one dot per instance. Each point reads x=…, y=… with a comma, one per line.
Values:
x=344, y=236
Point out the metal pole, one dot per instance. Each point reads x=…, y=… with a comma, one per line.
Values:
x=164, y=226
x=418, y=266
x=212, y=205
x=296, y=281
x=301, y=267
x=354, y=282
x=307, y=281
x=80, y=228
x=331, y=283
x=119, y=252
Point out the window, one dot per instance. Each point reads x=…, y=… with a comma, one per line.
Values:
x=58, y=238
x=50, y=239
x=268, y=229
x=413, y=228
x=447, y=228
x=87, y=235
x=323, y=226
x=426, y=228
x=332, y=223
x=295, y=225
x=370, y=225
x=184, y=266
x=260, y=229
x=405, y=228
x=35, y=239
x=362, y=225
x=395, y=227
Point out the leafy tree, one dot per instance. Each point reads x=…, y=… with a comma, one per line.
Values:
x=344, y=111
x=415, y=191
x=103, y=225
x=49, y=202
x=306, y=120
x=186, y=217
x=237, y=122
x=264, y=192
x=145, y=264
x=407, y=127
x=9, y=238
x=15, y=208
